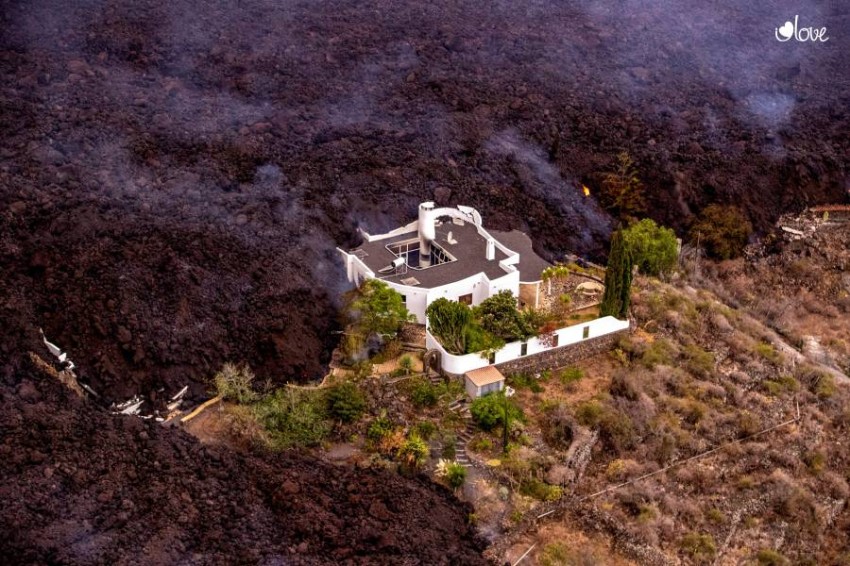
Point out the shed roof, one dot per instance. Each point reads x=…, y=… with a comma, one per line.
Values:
x=485, y=376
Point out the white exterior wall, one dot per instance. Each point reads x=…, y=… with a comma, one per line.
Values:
x=566, y=336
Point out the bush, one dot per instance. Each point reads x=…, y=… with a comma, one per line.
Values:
x=499, y=316
x=480, y=444
x=488, y=411
x=424, y=394
x=700, y=362
x=654, y=249
x=660, y=353
x=589, y=413
x=346, y=402
x=426, y=429
x=539, y=490
x=379, y=429
x=700, y=547
x=525, y=381
x=617, y=430
x=293, y=418
x=623, y=385
x=405, y=364
x=449, y=447
x=455, y=475
x=414, y=452
x=235, y=383
x=722, y=231
x=571, y=375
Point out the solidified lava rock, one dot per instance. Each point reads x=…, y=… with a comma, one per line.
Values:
x=174, y=177
x=80, y=486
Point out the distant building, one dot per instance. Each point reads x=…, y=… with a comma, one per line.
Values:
x=448, y=253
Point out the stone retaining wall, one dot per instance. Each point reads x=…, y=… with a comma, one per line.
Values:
x=560, y=357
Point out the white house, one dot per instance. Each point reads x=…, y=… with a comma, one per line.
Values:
x=448, y=253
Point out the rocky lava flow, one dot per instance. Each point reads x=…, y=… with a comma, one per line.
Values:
x=175, y=176
x=83, y=487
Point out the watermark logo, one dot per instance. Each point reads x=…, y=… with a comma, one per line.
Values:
x=792, y=30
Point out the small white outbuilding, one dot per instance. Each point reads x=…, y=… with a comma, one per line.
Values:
x=482, y=381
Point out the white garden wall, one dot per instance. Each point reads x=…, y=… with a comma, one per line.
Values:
x=459, y=365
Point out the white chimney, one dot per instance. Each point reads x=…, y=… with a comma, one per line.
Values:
x=491, y=249
x=427, y=232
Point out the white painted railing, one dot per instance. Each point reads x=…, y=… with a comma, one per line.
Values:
x=566, y=336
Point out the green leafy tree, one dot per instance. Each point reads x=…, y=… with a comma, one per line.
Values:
x=479, y=340
x=346, y=402
x=499, y=316
x=722, y=231
x=622, y=190
x=449, y=321
x=618, y=279
x=378, y=309
x=488, y=411
x=653, y=248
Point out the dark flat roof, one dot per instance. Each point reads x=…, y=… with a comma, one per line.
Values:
x=470, y=252
x=531, y=265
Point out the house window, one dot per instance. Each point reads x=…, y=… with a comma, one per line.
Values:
x=465, y=299
x=555, y=340
x=523, y=349
x=404, y=299
x=585, y=333
x=492, y=358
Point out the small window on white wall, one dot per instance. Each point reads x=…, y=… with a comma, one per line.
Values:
x=585, y=334
x=523, y=349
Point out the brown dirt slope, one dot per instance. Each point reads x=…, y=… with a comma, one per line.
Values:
x=80, y=486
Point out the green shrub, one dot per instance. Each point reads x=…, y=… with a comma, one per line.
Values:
x=699, y=362
x=293, y=418
x=405, y=364
x=378, y=309
x=570, y=375
x=379, y=429
x=782, y=384
x=716, y=516
x=660, y=352
x=539, y=490
x=455, y=474
x=423, y=393
x=480, y=444
x=346, y=402
x=768, y=352
x=414, y=452
x=589, y=413
x=525, y=381
x=235, y=383
x=825, y=386
x=488, y=411
x=700, y=547
x=449, y=447
x=426, y=429
x=617, y=430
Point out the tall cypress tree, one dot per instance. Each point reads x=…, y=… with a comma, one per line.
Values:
x=618, y=279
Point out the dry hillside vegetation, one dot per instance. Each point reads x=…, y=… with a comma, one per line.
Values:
x=695, y=375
